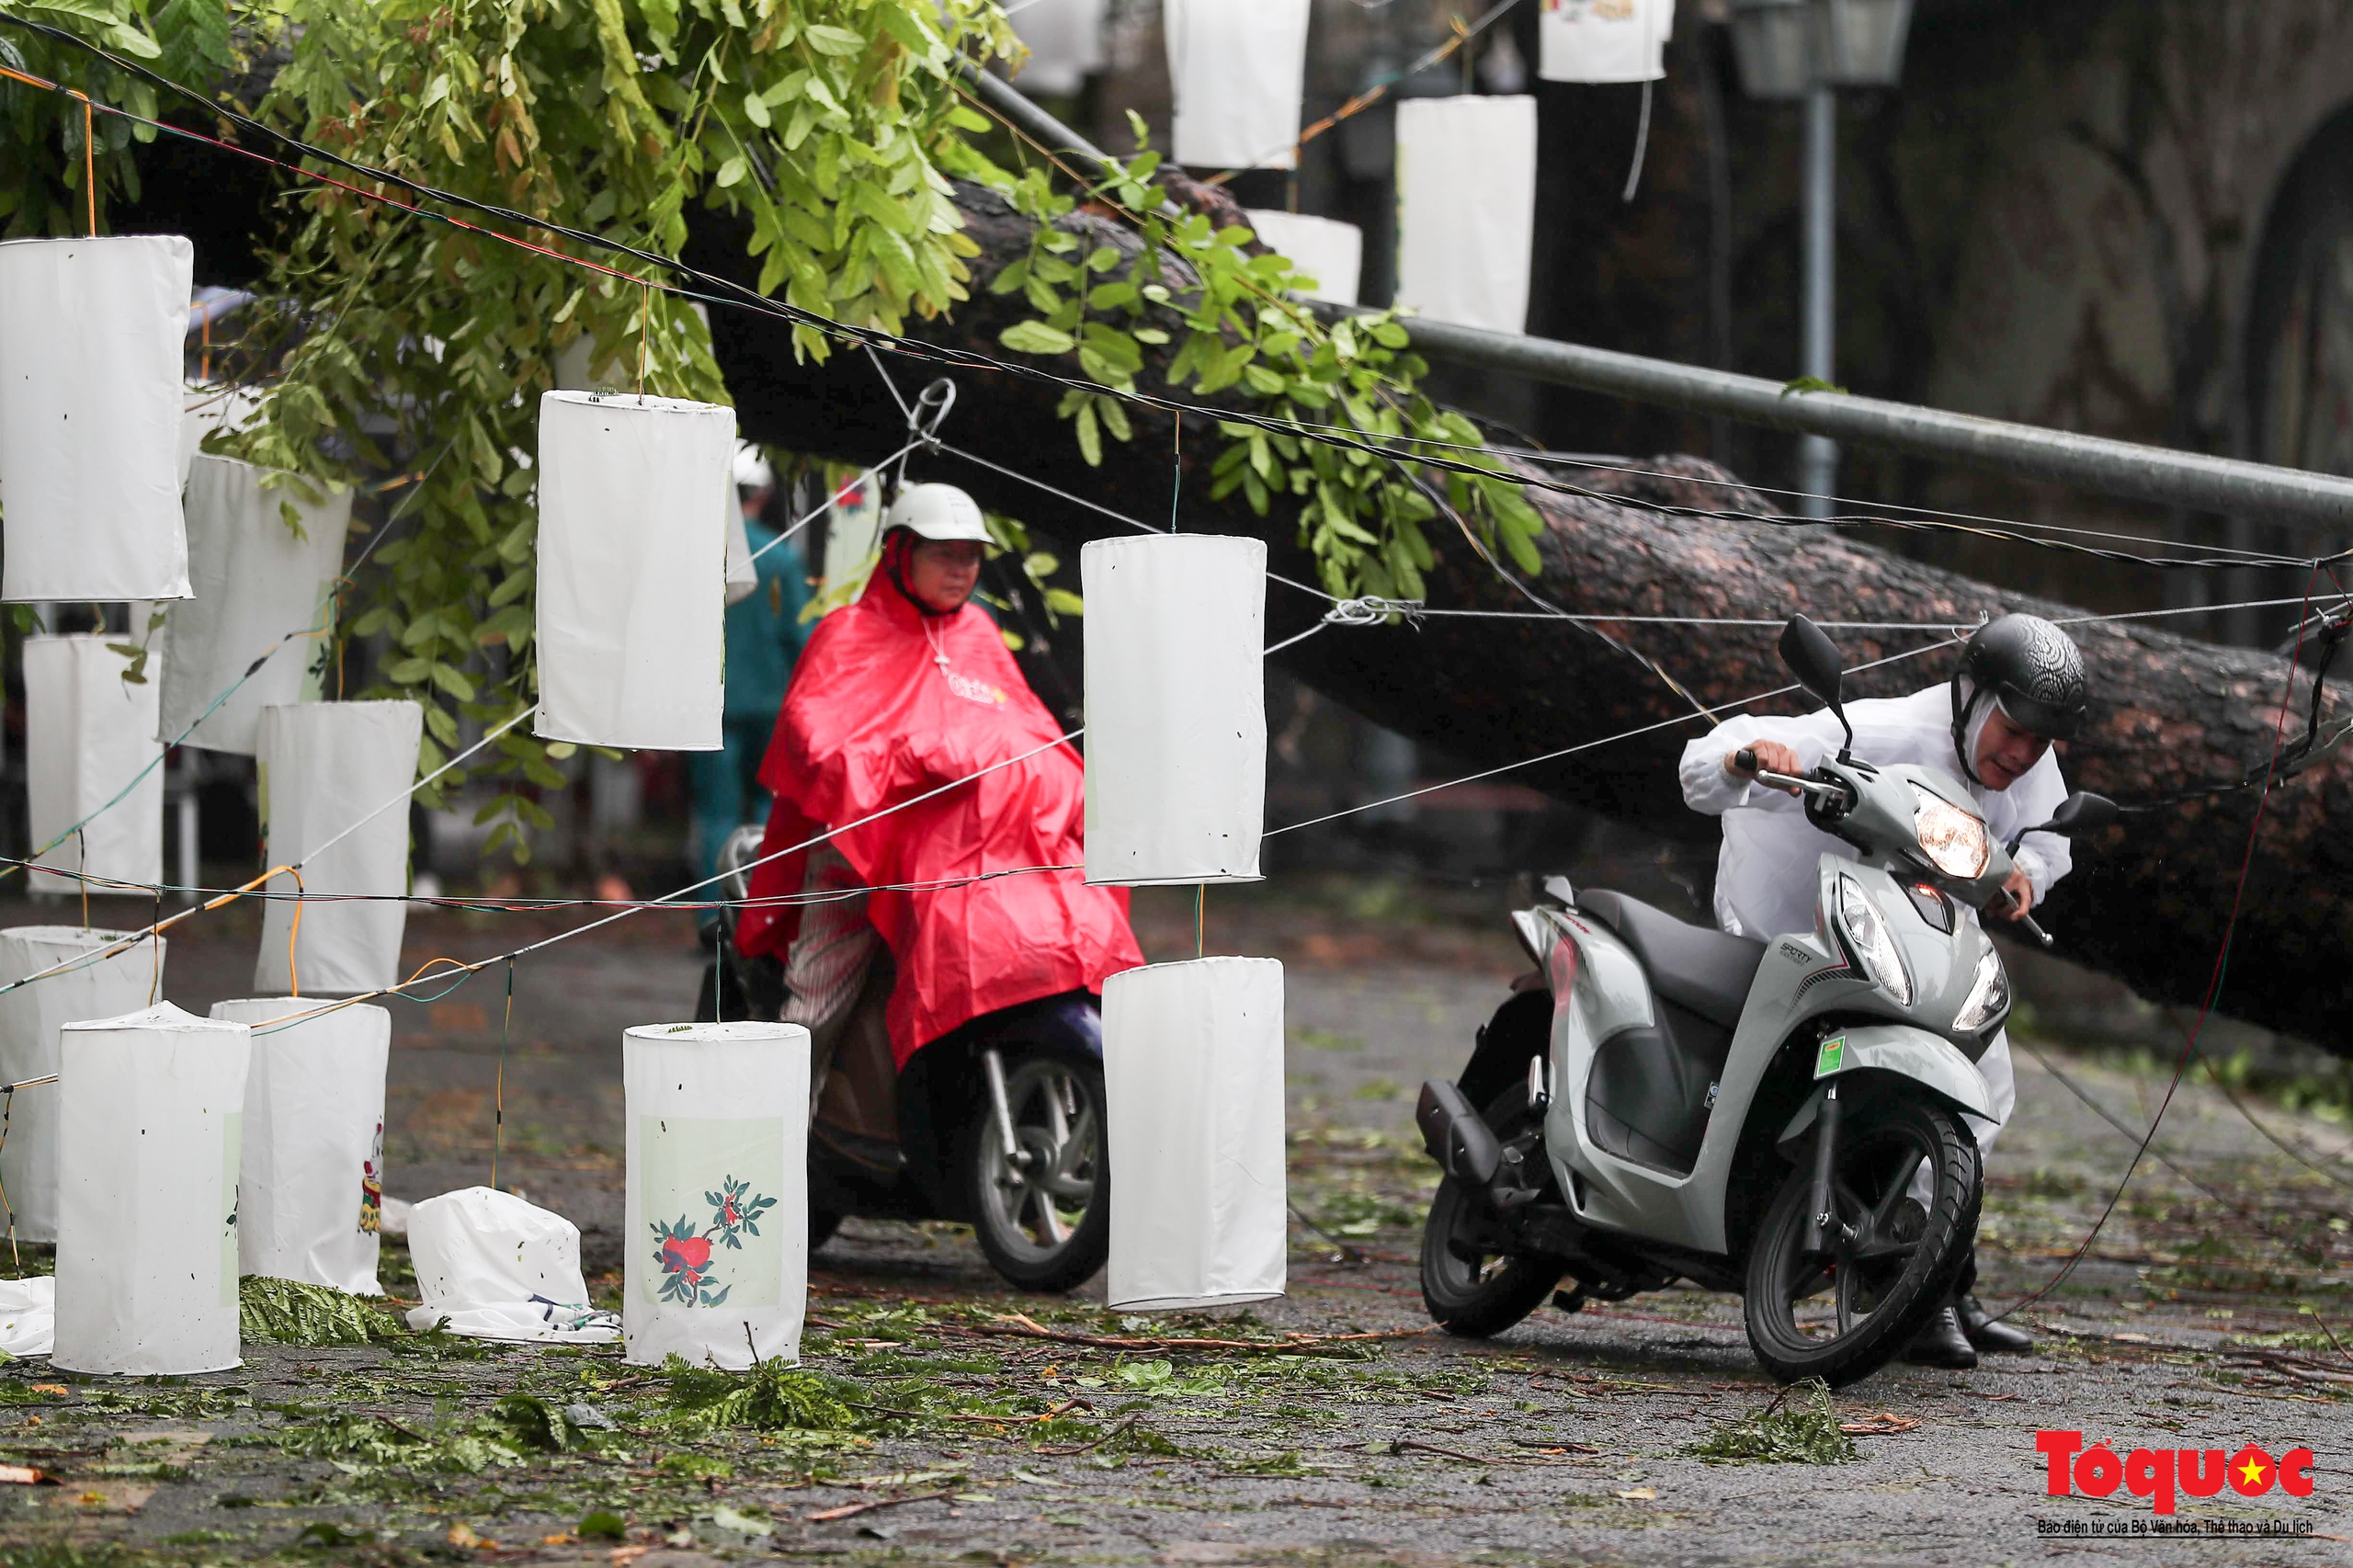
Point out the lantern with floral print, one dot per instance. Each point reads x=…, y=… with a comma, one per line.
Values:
x=718, y=1203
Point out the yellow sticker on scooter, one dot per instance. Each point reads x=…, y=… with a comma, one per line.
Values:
x=1833, y=1056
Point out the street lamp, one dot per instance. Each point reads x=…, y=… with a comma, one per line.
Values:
x=1808, y=48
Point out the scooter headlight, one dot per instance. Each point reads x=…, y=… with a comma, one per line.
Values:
x=1954, y=840
x=1989, y=995
x=1867, y=933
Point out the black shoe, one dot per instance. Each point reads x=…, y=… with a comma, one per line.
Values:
x=1987, y=1334
x=1940, y=1343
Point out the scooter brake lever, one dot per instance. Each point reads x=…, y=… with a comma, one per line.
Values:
x=2037, y=932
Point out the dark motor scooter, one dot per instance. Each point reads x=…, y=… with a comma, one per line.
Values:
x=998, y=1124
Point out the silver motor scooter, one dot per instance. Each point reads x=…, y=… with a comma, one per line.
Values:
x=1781, y=1119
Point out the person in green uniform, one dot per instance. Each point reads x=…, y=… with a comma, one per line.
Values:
x=764, y=636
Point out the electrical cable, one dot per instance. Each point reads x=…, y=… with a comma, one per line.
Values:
x=739, y=296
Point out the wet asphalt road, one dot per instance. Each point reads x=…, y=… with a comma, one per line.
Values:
x=2127, y=1351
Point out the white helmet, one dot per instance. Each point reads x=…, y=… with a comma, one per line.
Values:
x=751, y=468
x=936, y=512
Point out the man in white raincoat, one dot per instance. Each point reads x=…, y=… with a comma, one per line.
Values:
x=2020, y=686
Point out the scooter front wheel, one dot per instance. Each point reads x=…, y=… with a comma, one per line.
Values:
x=1040, y=1208
x=1841, y=1315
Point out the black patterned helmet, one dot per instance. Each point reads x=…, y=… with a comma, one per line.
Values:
x=2033, y=670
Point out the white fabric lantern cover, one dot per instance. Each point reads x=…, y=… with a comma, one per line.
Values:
x=1175, y=707
x=204, y=410
x=1064, y=39
x=632, y=569
x=1326, y=249
x=743, y=571
x=1193, y=1089
x=31, y=1016
x=324, y=767
x=1237, y=70
x=254, y=583
x=490, y=1266
x=152, y=1103
x=716, y=1260
x=91, y=333
x=1603, y=40
x=1466, y=209
x=853, y=532
x=314, y=1141
x=88, y=733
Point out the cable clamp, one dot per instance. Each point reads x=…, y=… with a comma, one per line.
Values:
x=1370, y=610
x=932, y=407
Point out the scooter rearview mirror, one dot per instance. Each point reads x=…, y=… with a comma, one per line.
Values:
x=2082, y=813
x=1814, y=660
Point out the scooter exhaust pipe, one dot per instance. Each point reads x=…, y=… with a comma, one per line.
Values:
x=1455, y=1135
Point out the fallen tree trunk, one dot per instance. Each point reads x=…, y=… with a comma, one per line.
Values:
x=2149, y=900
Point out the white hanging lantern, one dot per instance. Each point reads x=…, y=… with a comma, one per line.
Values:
x=1193, y=1090
x=1175, y=707
x=717, y=1226
x=852, y=533
x=1603, y=40
x=147, y=1178
x=88, y=732
x=1237, y=70
x=632, y=568
x=314, y=1141
x=743, y=571
x=1466, y=209
x=204, y=410
x=326, y=767
x=490, y=1266
x=1064, y=39
x=91, y=336
x=31, y=1016
x=254, y=583
x=1326, y=249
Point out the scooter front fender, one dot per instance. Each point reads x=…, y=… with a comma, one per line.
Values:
x=1929, y=1059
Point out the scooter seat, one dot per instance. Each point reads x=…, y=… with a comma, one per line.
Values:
x=1708, y=971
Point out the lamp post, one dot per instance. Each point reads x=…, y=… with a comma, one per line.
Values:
x=1808, y=48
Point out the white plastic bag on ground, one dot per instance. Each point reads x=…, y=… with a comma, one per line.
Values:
x=31, y=1016
x=28, y=1315
x=718, y=1208
x=632, y=569
x=254, y=583
x=1193, y=1085
x=1065, y=42
x=314, y=1141
x=147, y=1173
x=1324, y=248
x=87, y=735
x=1237, y=70
x=492, y=1266
x=1603, y=40
x=91, y=337
x=324, y=767
x=1175, y=707
x=1466, y=209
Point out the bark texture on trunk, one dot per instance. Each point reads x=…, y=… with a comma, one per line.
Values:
x=2148, y=900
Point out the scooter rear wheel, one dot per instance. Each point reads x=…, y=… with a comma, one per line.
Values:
x=1843, y=1316
x=1043, y=1218
x=1481, y=1295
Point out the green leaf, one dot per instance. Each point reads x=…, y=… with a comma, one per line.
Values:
x=1035, y=337
x=829, y=39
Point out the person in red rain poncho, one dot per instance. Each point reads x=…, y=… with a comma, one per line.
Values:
x=907, y=690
